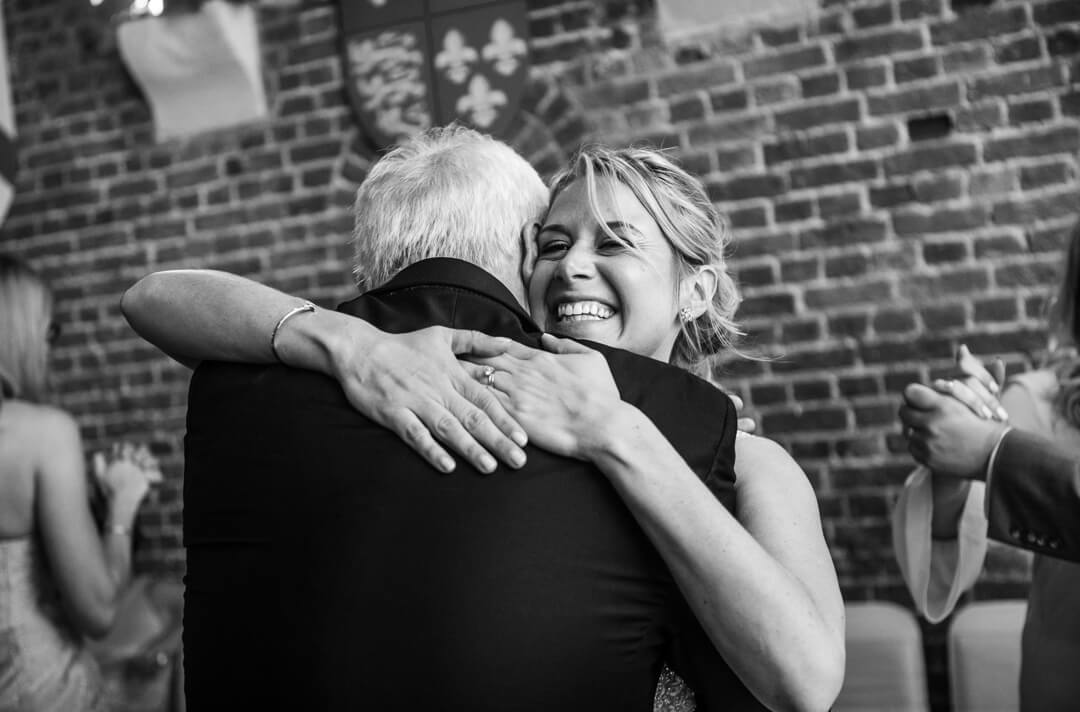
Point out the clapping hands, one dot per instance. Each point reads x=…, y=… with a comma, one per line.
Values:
x=126, y=472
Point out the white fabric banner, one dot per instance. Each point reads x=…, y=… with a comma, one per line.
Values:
x=7, y=126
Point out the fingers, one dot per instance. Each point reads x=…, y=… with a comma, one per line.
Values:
x=973, y=368
x=416, y=435
x=746, y=425
x=997, y=370
x=477, y=343
x=563, y=346
x=967, y=395
x=916, y=395
x=913, y=418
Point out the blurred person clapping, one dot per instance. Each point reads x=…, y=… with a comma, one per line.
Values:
x=60, y=575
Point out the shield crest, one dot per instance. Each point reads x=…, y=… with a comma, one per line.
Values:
x=413, y=64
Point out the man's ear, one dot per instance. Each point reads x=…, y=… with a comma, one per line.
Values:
x=529, y=233
x=698, y=290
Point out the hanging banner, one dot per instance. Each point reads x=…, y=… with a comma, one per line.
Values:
x=413, y=64
x=7, y=127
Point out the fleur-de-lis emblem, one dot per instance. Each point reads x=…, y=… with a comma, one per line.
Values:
x=481, y=101
x=455, y=57
x=504, y=48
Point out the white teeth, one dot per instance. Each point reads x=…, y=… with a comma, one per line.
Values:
x=583, y=309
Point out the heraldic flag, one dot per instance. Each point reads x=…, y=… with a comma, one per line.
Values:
x=7, y=127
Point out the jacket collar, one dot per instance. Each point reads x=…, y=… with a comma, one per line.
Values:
x=459, y=274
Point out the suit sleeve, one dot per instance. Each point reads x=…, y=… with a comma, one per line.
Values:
x=1034, y=496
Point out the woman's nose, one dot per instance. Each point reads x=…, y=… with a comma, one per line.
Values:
x=577, y=263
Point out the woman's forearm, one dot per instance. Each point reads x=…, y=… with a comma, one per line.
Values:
x=200, y=315
x=762, y=619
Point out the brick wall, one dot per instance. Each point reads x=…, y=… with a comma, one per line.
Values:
x=900, y=176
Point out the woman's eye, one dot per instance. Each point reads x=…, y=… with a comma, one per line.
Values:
x=555, y=247
x=611, y=244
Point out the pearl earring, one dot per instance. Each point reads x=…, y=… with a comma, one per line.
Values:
x=685, y=315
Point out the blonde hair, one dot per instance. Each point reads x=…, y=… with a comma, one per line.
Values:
x=448, y=192
x=695, y=229
x=25, y=314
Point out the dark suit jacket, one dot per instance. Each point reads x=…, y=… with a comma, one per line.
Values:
x=1034, y=496
x=329, y=567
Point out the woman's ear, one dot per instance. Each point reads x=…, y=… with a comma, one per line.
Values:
x=529, y=233
x=698, y=290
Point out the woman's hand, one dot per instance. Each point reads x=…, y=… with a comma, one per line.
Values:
x=413, y=384
x=126, y=473
x=975, y=386
x=563, y=397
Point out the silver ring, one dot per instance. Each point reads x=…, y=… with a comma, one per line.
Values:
x=489, y=376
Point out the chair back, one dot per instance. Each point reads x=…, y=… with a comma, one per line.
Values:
x=886, y=669
x=984, y=656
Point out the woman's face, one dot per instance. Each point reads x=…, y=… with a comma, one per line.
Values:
x=589, y=285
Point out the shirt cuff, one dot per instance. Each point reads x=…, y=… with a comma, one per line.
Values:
x=990, y=466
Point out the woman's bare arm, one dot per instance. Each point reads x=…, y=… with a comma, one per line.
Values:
x=411, y=383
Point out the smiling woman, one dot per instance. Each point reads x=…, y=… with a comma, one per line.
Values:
x=631, y=254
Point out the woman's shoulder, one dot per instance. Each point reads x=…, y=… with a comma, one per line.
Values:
x=35, y=421
x=763, y=457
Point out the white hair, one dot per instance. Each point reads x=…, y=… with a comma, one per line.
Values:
x=449, y=192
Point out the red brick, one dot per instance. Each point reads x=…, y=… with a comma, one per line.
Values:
x=1058, y=12
x=911, y=70
x=1023, y=81
x=844, y=232
x=775, y=92
x=1060, y=140
x=993, y=246
x=796, y=331
x=930, y=158
x=728, y=130
x=888, y=196
x=919, y=99
x=729, y=100
x=1022, y=49
x=703, y=77
x=820, y=85
x=743, y=187
x=924, y=222
x=942, y=252
x=784, y=62
x=943, y=316
x=686, y=109
x=1027, y=112
x=807, y=117
x=1023, y=211
x=915, y=9
x=766, y=305
x=814, y=359
x=800, y=269
x=1044, y=174
x=965, y=58
x=977, y=25
x=793, y=210
x=846, y=295
x=866, y=76
x=850, y=265
x=872, y=15
x=834, y=206
x=878, y=44
x=833, y=173
x=1000, y=309
x=871, y=137
x=800, y=147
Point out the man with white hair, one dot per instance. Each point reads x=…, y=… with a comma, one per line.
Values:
x=329, y=567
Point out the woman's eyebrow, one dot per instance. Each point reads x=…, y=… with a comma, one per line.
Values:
x=555, y=227
x=621, y=225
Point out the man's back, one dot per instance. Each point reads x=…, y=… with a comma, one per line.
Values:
x=321, y=550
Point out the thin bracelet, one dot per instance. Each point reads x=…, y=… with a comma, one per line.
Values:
x=305, y=307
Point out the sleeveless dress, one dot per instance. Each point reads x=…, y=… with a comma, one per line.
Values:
x=44, y=666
